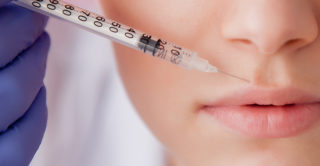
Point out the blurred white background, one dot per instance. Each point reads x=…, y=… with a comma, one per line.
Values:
x=91, y=121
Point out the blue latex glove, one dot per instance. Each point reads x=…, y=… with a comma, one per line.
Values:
x=23, y=113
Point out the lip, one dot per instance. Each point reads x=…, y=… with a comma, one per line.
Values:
x=266, y=113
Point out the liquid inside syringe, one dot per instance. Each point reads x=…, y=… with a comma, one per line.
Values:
x=120, y=33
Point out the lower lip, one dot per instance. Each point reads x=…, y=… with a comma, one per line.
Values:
x=267, y=121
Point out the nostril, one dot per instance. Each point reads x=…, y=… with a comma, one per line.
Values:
x=242, y=41
x=290, y=42
x=293, y=43
x=243, y=44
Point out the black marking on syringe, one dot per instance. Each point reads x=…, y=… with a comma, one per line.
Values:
x=147, y=44
x=158, y=44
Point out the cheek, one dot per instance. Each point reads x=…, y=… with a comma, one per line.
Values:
x=179, y=21
x=157, y=89
x=166, y=97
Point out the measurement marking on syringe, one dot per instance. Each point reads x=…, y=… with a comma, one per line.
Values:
x=119, y=33
x=158, y=50
x=84, y=15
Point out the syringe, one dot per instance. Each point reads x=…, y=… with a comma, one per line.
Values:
x=122, y=34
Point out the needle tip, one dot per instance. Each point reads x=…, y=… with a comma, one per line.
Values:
x=234, y=76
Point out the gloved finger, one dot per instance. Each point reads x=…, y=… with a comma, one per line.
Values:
x=19, y=29
x=3, y=2
x=21, y=141
x=21, y=80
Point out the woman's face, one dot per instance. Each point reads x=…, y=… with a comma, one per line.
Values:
x=211, y=119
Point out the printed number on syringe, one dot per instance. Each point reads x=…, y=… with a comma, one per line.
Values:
x=83, y=18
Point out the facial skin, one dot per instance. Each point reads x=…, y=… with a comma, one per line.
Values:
x=273, y=43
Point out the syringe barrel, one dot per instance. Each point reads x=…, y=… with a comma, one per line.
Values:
x=112, y=30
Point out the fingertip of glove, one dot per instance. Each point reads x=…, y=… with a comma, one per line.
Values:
x=45, y=39
x=43, y=95
x=29, y=17
x=35, y=18
x=40, y=104
x=45, y=42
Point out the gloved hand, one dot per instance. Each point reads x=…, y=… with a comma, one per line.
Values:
x=23, y=114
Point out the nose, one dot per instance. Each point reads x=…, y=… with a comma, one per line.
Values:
x=270, y=26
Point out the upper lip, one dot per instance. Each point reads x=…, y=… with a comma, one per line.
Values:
x=266, y=97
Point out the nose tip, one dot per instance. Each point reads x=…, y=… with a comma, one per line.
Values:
x=269, y=29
